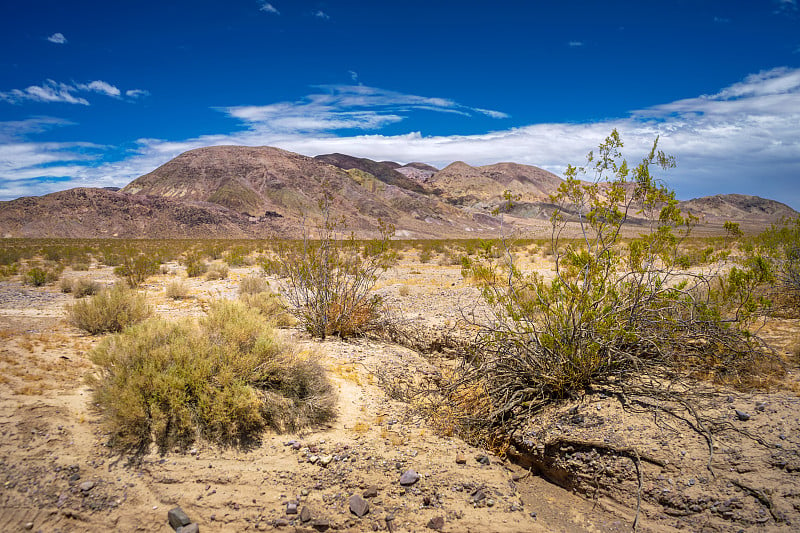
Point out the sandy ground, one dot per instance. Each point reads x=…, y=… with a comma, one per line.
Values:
x=58, y=474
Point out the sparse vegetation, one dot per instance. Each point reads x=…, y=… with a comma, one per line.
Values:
x=330, y=281
x=217, y=270
x=110, y=310
x=176, y=290
x=612, y=314
x=135, y=267
x=253, y=285
x=224, y=378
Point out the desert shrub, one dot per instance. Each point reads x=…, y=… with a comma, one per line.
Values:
x=110, y=310
x=217, y=271
x=404, y=290
x=271, y=305
x=238, y=256
x=176, y=290
x=38, y=276
x=135, y=267
x=330, y=281
x=224, y=378
x=79, y=287
x=253, y=285
x=80, y=266
x=425, y=255
x=195, y=267
x=613, y=313
x=780, y=247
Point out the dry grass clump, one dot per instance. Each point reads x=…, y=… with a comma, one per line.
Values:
x=225, y=378
x=253, y=285
x=217, y=271
x=176, y=290
x=110, y=310
x=272, y=306
x=79, y=287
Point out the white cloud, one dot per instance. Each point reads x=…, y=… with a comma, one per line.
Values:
x=137, y=93
x=745, y=138
x=99, y=86
x=56, y=92
x=575, y=44
x=269, y=8
x=57, y=38
x=786, y=5
x=321, y=15
x=344, y=107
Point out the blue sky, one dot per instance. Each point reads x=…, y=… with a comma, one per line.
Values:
x=98, y=93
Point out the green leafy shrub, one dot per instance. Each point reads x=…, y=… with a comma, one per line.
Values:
x=110, y=310
x=613, y=313
x=224, y=378
x=195, y=267
x=136, y=267
x=38, y=276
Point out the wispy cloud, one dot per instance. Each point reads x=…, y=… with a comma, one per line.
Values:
x=721, y=20
x=57, y=38
x=56, y=92
x=100, y=87
x=785, y=6
x=137, y=93
x=269, y=8
x=575, y=44
x=342, y=107
x=321, y=15
x=744, y=138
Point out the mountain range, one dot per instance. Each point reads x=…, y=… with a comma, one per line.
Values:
x=264, y=192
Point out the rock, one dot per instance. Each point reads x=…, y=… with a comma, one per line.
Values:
x=28, y=526
x=437, y=523
x=741, y=415
x=460, y=459
x=191, y=528
x=325, y=460
x=358, y=505
x=86, y=486
x=482, y=459
x=291, y=508
x=477, y=496
x=280, y=522
x=490, y=502
x=305, y=514
x=321, y=524
x=177, y=518
x=313, y=459
x=408, y=478
x=371, y=492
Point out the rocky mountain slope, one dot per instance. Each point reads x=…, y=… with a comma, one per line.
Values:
x=237, y=191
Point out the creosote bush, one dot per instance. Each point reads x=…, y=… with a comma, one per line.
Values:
x=330, y=280
x=613, y=313
x=225, y=378
x=253, y=285
x=110, y=310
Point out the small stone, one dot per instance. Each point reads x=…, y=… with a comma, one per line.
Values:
x=191, y=528
x=28, y=526
x=426, y=500
x=482, y=459
x=371, y=492
x=741, y=415
x=291, y=508
x=74, y=477
x=408, y=478
x=296, y=445
x=436, y=523
x=305, y=514
x=313, y=459
x=321, y=524
x=358, y=505
x=177, y=518
x=86, y=486
x=477, y=496
x=490, y=503
x=280, y=522
x=304, y=492
x=325, y=460
x=460, y=459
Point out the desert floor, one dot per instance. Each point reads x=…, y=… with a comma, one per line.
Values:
x=58, y=474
